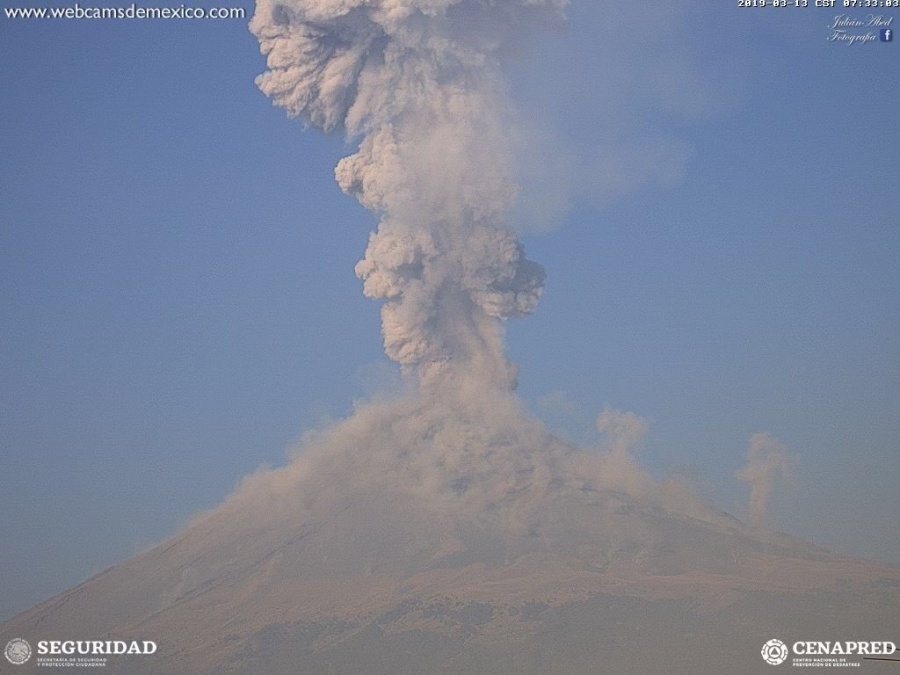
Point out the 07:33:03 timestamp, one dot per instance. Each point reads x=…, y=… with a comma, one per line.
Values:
x=871, y=3
x=818, y=3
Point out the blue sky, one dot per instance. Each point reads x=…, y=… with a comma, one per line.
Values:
x=178, y=303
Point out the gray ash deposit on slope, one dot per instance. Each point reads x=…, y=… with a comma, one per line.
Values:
x=517, y=556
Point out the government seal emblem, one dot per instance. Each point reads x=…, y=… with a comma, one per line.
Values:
x=17, y=651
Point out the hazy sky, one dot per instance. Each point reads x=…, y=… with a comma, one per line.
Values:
x=713, y=193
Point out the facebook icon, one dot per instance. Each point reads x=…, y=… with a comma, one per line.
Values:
x=887, y=34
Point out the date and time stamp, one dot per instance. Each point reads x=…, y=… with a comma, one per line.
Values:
x=848, y=29
x=828, y=4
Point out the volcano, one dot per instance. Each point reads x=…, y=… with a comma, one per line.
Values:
x=446, y=531
x=513, y=554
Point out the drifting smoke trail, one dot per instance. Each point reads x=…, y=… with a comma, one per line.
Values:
x=767, y=463
x=625, y=429
x=419, y=81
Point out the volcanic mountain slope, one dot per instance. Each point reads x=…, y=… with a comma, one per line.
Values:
x=422, y=537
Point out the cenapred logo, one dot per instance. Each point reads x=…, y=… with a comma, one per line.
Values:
x=774, y=652
x=17, y=651
x=825, y=654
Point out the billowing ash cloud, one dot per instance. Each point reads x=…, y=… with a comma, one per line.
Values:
x=768, y=462
x=419, y=82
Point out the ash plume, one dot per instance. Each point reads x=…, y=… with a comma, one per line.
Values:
x=768, y=463
x=419, y=85
x=624, y=429
x=418, y=81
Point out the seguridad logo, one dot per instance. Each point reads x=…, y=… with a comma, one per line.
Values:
x=95, y=647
